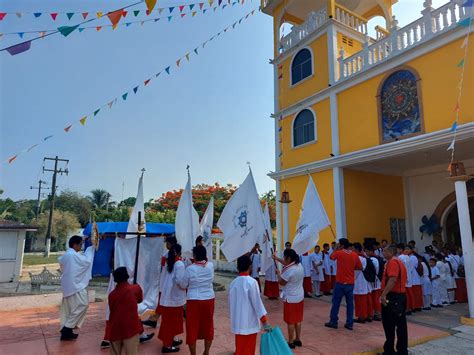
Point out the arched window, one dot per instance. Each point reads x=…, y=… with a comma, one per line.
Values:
x=303, y=128
x=302, y=66
x=399, y=106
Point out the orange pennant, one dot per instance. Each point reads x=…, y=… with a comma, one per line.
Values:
x=146, y=82
x=115, y=16
x=84, y=15
x=150, y=5
x=177, y=62
x=12, y=159
x=98, y=28
x=68, y=128
x=99, y=14
x=83, y=120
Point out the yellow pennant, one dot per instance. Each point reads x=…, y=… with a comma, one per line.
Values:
x=83, y=120
x=194, y=13
x=99, y=14
x=211, y=2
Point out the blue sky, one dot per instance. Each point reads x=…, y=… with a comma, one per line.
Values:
x=212, y=113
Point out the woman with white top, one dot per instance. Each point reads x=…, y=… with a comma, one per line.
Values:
x=317, y=272
x=291, y=279
x=443, y=278
x=172, y=300
x=426, y=283
x=307, y=267
x=200, y=301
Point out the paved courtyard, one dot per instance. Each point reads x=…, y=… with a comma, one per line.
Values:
x=35, y=331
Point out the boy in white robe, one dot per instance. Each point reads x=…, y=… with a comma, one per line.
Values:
x=76, y=272
x=247, y=311
x=435, y=283
x=317, y=273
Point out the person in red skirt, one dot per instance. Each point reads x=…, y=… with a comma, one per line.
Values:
x=307, y=267
x=326, y=288
x=200, y=301
x=256, y=263
x=291, y=279
x=247, y=311
x=172, y=300
x=124, y=325
x=272, y=289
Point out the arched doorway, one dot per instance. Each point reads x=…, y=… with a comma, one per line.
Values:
x=451, y=224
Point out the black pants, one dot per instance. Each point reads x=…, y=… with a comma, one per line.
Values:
x=394, y=320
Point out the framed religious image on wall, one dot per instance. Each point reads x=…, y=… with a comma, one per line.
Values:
x=400, y=112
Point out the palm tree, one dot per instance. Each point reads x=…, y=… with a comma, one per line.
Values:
x=100, y=199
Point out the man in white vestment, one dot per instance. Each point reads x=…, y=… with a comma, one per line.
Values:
x=76, y=272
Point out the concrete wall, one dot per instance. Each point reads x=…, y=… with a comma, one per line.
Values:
x=11, y=258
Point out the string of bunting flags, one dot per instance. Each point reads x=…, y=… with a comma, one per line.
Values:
x=114, y=20
x=123, y=97
x=467, y=22
x=84, y=14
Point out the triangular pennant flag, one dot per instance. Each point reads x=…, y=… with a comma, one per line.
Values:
x=247, y=16
x=240, y=21
x=233, y=25
x=146, y=82
x=124, y=13
x=21, y=34
x=2, y=15
x=81, y=29
x=19, y=14
x=135, y=89
x=148, y=12
x=211, y=2
x=215, y=9
x=98, y=28
x=114, y=27
x=454, y=127
x=204, y=11
x=167, y=70
x=225, y=29
x=464, y=43
x=171, y=9
x=54, y=15
x=196, y=51
x=187, y=57
x=201, y=5
x=157, y=75
x=461, y=63
x=223, y=7
x=219, y=3
x=12, y=159
x=70, y=15
x=110, y=104
x=160, y=10
x=37, y=14
x=142, y=23
x=181, y=7
x=177, y=62
x=42, y=34
x=96, y=112
x=115, y=16
x=150, y=5
x=451, y=146
x=47, y=137
x=191, y=7
x=280, y=129
x=84, y=15
x=83, y=120
x=194, y=13
x=169, y=18
x=182, y=15
x=253, y=11
x=19, y=48
x=128, y=24
x=67, y=30
x=68, y=128
x=30, y=148
x=124, y=96
x=99, y=14
x=136, y=12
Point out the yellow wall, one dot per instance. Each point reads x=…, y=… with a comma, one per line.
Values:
x=348, y=50
x=289, y=95
x=371, y=200
x=321, y=149
x=439, y=74
x=296, y=187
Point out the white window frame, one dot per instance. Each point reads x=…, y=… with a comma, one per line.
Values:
x=293, y=129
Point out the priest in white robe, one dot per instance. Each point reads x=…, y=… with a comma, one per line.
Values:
x=76, y=270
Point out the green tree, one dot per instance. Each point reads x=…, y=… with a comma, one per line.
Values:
x=128, y=202
x=100, y=199
x=167, y=216
x=75, y=203
x=63, y=225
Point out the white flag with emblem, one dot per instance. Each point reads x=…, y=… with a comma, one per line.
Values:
x=187, y=221
x=205, y=228
x=242, y=220
x=139, y=207
x=313, y=219
x=267, y=242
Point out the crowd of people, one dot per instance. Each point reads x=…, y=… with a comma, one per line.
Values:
x=380, y=282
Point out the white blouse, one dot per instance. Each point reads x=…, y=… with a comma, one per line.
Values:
x=173, y=290
x=198, y=281
x=76, y=270
x=415, y=277
x=293, y=290
x=361, y=286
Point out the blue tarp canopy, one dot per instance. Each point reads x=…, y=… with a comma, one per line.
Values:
x=103, y=259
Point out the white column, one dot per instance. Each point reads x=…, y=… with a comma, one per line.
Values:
x=286, y=227
x=466, y=240
x=332, y=54
x=218, y=249
x=278, y=218
x=339, y=202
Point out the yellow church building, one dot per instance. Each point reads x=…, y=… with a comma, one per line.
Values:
x=370, y=117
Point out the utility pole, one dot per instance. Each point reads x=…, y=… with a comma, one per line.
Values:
x=39, y=188
x=55, y=171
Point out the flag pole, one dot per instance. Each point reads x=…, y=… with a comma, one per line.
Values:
x=330, y=226
x=139, y=237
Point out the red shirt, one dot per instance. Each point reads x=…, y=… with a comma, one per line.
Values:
x=347, y=263
x=395, y=268
x=124, y=322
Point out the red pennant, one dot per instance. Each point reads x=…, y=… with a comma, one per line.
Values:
x=84, y=15
x=177, y=62
x=146, y=82
x=68, y=128
x=12, y=159
x=201, y=5
x=98, y=28
x=181, y=8
x=115, y=16
x=182, y=15
x=54, y=15
x=148, y=12
x=124, y=13
x=280, y=77
x=2, y=15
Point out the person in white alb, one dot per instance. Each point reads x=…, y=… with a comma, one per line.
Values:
x=333, y=265
x=376, y=286
x=272, y=289
x=406, y=261
x=416, y=270
x=291, y=279
x=200, y=301
x=307, y=267
x=172, y=300
x=361, y=289
x=426, y=283
x=317, y=273
x=255, y=257
x=247, y=311
x=443, y=278
x=435, y=283
x=76, y=273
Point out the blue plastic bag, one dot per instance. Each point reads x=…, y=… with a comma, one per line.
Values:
x=274, y=343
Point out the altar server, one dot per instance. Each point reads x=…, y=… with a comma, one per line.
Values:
x=256, y=262
x=124, y=325
x=361, y=289
x=326, y=284
x=375, y=286
x=76, y=272
x=443, y=278
x=307, y=267
x=435, y=283
x=408, y=286
x=200, y=301
x=426, y=283
x=416, y=270
x=272, y=290
x=172, y=300
x=247, y=311
x=317, y=273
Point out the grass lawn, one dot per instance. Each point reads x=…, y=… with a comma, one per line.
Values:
x=39, y=259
